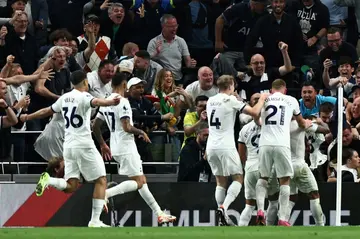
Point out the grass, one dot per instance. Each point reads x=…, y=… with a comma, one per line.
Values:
x=182, y=232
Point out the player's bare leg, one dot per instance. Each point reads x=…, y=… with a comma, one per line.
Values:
x=284, y=196
x=272, y=210
x=246, y=214
x=261, y=189
x=232, y=192
x=98, y=203
x=139, y=183
x=315, y=208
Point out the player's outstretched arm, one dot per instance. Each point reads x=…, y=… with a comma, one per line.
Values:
x=105, y=102
x=132, y=130
x=43, y=113
x=303, y=123
x=255, y=111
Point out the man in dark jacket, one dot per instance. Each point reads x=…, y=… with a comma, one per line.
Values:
x=193, y=166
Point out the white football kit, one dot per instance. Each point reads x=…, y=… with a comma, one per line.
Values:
x=275, y=135
x=303, y=179
x=122, y=144
x=249, y=136
x=221, y=152
x=317, y=158
x=50, y=142
x=80, y=153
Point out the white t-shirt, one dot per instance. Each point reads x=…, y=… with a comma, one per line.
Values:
x=97, y=88
x=75, y=107
x=221, y=113
x=276, y=117
x=121, y=142
x=14, y=94
x=249, y=135
x=194, y=91
x=297, y=137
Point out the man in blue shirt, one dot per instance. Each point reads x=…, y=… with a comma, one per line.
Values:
x=310, y=101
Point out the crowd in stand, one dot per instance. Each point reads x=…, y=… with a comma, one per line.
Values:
x=172, y=52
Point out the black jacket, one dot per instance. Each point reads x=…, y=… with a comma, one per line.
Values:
x=192, y=162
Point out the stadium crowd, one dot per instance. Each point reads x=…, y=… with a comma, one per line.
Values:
x=172, y=52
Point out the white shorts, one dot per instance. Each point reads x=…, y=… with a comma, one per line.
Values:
x=86, y=161
x=303, y=179
x=129, y=164
x=224, y=162
x=278, y=157
x=250, y=182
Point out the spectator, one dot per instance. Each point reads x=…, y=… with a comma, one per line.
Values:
x=12, y=7
x=8, y=117
x=146, y=69
x=338, y=15
x=169, y=50
x=326, y=111
x=335, y=50
x=61, y=38
x=272, y=29
x=128, y=51
x=94, y=46
x=238, y=21
x=145, y=116
x=349, y=168
x=257, y=81
x=116, y=24
x=203, y=86
x=313, y=17
x=354, y=117
x=193, y=166
x=310, y=101
x=16, y=41
x=99, y=80
x=193, y=119
x=345, y=78
x=47, y=92
x=127, y=67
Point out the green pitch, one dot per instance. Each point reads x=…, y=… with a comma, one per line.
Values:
x=182, y=232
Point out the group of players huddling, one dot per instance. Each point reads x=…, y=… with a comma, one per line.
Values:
x=272, y=145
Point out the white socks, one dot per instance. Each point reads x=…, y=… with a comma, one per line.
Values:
x=149, y=199
x=284, y=201
x=124, y=187
x=232, y=192
x=317, y=212
x=220, y=193
x=58, y=183
x=290, y=208
x=261, y=189
x=271, y=213
x=97, y=207
x=246, y=214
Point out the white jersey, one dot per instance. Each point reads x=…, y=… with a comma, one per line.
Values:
x=276, y=117
x=75, y=107
x=316, y=156
x=297, y=137
x=121, y=142
x=249, y=135
x=221, y=113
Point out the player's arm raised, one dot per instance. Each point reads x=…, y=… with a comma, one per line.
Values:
x=125, y=121
x=96, y=102
x=40, y=114
x=255, y=111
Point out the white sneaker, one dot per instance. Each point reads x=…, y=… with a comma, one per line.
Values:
x=165, y=218
x=97, y=224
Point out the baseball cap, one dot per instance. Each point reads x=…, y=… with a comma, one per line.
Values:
x=92, y=18
x=134, y=81
x=127, y=66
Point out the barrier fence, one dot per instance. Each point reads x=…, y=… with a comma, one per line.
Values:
x=192, y=203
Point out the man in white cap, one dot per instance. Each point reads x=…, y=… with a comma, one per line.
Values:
x=127, y=67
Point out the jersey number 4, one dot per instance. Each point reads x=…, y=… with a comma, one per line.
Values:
x=274, y=110
x=75, y=120
x=214, y=121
